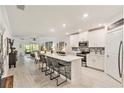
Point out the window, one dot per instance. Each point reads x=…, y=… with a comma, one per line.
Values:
x=30, y=48
x=48, y=45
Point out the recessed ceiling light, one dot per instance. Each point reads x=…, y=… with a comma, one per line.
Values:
x=85, y=15
x=67, y=33
x=52, y=30
x=79, y=30
x=63, y=25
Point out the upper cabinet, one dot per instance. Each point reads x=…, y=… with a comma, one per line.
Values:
x=83, y=36
x=96, y=38
x=75, y=39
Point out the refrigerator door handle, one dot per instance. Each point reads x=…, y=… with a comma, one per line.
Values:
x=122, y=60
x=119, y=68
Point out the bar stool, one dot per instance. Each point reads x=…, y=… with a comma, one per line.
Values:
x=84, y=61
x=37, y=58
x=58, y=67
x=43, y=69
x=49, y=69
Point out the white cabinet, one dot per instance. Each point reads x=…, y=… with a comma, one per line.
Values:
x=83, y=36
x=95, y=61
x=97, y=38
x=74, y=40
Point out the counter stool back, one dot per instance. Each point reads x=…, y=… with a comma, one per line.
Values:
x=37, y=58
x=49, y=69
x=43, y=68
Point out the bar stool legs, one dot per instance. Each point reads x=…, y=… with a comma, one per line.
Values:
x=39, y=64
x=43, y=69
x=57, y=77
x=48, y=71
x=57, y=83
x=53, y=68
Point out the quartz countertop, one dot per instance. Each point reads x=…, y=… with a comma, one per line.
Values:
x=68, y=58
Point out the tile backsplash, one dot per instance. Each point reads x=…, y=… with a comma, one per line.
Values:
x=75, y=48
x=97, y=50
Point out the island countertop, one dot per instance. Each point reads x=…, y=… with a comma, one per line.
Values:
x=68, y=58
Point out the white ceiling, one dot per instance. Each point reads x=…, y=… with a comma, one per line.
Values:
x=38, y=20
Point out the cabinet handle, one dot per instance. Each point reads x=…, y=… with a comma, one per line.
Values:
x=119, y=68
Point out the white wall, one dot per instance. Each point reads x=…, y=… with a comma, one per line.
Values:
x=5, y=24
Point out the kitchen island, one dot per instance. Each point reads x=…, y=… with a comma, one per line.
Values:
x=73, y=64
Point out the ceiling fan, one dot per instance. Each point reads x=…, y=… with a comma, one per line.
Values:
x=21, y=7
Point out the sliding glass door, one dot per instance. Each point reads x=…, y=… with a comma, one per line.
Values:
x=30, y=48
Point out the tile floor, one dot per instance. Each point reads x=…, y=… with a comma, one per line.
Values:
x=27, y=75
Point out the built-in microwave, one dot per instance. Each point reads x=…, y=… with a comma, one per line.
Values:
x=84, y=44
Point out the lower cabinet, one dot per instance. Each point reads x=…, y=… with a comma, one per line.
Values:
x=95, y=61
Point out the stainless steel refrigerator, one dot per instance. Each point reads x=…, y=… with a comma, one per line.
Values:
x=114, y=51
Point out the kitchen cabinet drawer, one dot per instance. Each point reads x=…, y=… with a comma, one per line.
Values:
x=99, y=62
x=95, y=61
x=90, y=60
